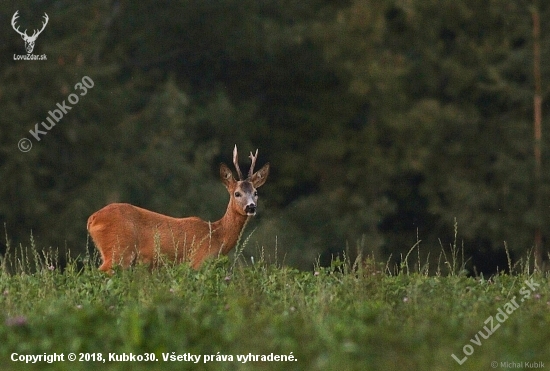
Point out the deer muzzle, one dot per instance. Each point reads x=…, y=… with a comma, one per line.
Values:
x=250, y=209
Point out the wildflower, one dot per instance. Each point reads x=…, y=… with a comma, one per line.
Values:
x=227, y=278
x=16, y=321
x=316, y=273
x=405, y=299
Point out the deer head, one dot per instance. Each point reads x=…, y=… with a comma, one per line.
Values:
x=124, y=233
x=244, y=197
x=29, y=40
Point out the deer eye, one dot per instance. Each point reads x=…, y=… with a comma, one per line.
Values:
x=255, y=193
x=237, y=194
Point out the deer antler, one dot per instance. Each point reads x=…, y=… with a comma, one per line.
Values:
x=46, y=19
x=236, y=163
x=253, y=159
x=24, y=34
x=13, y=21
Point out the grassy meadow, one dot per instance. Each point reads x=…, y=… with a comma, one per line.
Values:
x=242, y=315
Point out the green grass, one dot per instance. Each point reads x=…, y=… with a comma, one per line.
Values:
x=347, y=317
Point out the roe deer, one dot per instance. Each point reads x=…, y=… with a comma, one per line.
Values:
x=124, y=233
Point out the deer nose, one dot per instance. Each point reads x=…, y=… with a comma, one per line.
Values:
x=250, y=209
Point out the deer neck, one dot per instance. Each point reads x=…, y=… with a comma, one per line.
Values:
x=230, y=228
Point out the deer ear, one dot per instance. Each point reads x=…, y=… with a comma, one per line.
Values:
x=260, y=176
x=226, y=175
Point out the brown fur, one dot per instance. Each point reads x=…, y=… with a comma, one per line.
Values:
x=124, y=233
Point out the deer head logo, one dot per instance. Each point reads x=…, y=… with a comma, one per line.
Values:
x=29, y=40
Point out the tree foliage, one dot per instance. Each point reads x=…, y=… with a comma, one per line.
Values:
x=384, y=121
